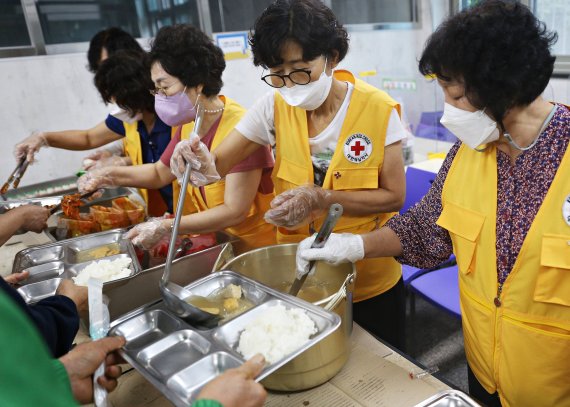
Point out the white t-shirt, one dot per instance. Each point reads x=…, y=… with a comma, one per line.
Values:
x=258, y=125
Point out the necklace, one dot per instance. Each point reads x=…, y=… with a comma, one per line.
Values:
x=221, y=109
x=544, y=124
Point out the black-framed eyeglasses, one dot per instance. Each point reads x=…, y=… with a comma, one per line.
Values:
x=298, y=77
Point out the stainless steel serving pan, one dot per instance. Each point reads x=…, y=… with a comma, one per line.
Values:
x=56, y=187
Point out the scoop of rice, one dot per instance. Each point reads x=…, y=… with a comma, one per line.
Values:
x=276, y=333
x=104, y=270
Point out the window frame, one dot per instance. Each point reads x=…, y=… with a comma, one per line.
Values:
x=562, y=63
x=39, y=47
x=415, y=24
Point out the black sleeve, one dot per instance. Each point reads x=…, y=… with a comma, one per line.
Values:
x=56, y=318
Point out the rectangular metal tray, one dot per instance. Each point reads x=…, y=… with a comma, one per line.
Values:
x=48, y=264
x=60, y=186
x=449, y=398
x=178, y=358
x=105, y=199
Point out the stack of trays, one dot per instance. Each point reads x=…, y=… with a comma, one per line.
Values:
x=179, y=358
x=49, y=264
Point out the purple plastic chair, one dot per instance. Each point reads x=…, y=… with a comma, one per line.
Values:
x=430, y=127
x=418, y=183
x=439, y=287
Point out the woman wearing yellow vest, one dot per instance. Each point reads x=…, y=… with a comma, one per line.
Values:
x=122, y=79
x=187, y=71
x=335, y=137
x=501, y=202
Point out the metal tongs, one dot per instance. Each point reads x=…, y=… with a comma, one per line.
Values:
x=335, y=212
x=16, y=176
x=174, y=295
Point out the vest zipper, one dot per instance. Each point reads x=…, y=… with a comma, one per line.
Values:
x=497, y=299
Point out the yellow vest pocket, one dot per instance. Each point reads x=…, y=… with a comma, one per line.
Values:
x=355, y=178
x=292, y=173
x=214, y=193
x=464, y=226
x=553, y=281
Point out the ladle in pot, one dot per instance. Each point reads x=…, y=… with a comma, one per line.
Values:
x=174, y=295
x=335, y=212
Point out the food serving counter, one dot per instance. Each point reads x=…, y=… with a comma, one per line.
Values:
x=374, y=376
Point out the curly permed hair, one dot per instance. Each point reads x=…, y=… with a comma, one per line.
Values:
x=498, y=49
x=308, y=22
x=125, y=77
x=113, y=40
x=190, y=55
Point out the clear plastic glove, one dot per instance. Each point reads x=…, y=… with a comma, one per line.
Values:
x=339, y=248
x=30, y=146
x=112, y=161
x=298, y=206
x=98, y=155
x=195, y=153
x=95, y=179
x=148, y=234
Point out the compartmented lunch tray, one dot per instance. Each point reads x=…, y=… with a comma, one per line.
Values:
x=50, y=263
x=179, y=358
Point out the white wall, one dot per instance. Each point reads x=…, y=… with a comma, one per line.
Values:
x=56, y=92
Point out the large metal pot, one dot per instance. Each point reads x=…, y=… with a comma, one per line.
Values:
x=331, y=288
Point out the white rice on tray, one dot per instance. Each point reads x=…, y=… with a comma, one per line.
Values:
x=276, y=333
x=104, y=270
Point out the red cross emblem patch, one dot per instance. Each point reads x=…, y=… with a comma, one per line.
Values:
x=357, y=148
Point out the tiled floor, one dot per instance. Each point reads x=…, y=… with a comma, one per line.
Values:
x=435, y=339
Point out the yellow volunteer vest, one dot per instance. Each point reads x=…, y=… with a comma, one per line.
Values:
x=365, y=123
x=132, y=146
x=254, y=232
x=522, y=347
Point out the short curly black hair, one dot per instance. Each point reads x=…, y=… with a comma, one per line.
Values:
x=309, y=23
x=125, y=79
x=500, y=52
x=112, y=39
x=185, y=52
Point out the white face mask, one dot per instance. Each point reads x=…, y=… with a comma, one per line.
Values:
x=309, y=96
x=122, y=114
x=472, y=128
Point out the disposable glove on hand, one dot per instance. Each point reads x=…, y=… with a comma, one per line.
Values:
x=112, y=161
x=298, y=206
x=339, y=248
x=115, y=148
x=97, y=155
x=95, y=179
x=30, y=146
x=195, y=153
x=148, y=234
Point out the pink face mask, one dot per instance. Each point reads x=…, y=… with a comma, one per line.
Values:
x=175, y=110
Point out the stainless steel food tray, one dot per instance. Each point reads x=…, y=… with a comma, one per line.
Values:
x=179, y=358
x=46, y=201
x=48, y=264
x=105, y=200
x=60, y=186
x=449, y=398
